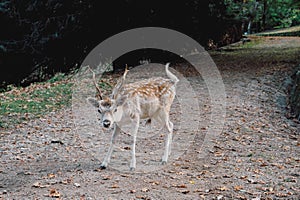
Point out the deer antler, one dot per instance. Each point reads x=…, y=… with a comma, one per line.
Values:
x=95, y=83
x=119, y=84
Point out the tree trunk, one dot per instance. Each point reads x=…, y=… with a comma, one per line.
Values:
x=264, y=15
x=249, y=27
x=252, y=16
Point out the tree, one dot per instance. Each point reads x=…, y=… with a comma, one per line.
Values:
x=40, y=38
x=258, y=15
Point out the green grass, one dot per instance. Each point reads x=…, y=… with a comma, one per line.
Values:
x=259, y=51
x=292, y=31
x=35, y=100
x=22, y=104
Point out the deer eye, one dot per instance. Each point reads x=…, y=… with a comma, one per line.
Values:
x=115, y=110
x=99, y=111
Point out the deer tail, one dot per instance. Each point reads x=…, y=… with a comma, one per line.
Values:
x=171, y=75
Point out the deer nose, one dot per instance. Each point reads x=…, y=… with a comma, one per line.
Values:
x=106, y=123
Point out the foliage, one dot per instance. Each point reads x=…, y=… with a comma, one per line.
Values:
x=265, y=14
x=42, y=38
x=283, y=13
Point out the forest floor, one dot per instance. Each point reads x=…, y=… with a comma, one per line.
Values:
x=255, y=156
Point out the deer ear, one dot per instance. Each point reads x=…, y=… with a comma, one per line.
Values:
x=93, y=101
x=121, y=100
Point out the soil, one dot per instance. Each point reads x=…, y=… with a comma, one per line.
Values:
x=254, y=156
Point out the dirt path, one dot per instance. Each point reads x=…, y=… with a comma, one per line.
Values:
x=255, y=157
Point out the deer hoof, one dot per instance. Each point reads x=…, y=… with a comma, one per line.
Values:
x=132, y=169
x=102, y=167
x=163, y=162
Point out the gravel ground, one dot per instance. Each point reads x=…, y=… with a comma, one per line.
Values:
x=255, y=156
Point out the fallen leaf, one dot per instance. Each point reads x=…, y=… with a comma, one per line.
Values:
x=105, y=177
x=256, y=198
x=179, y=186
x=54, y=193
x=114, y=186
x=243, y=177
x=127, y=148
x=264, y=165
x=281, y=195
x=184, y=191
x=220, y=197
x=67, y=181
x=36, y=185
x=82, y=197
x=154, y=182
x=76, y=184
x=51, y=175
x=238, y=188
x=236, y=130
x=142, y=197
x=124, y=175
x=278, y=166
x=224, y=188
x=218, y=153
x=241, y=197
x=145, y=190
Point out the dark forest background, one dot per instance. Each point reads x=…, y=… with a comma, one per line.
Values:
x=41, y=37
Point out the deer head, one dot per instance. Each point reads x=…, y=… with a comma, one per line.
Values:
x=110, y=108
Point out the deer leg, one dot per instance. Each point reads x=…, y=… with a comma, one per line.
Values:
x=134, y=134
x=168, y=140
x=112, y=142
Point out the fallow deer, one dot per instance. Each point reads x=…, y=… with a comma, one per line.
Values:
x=129, y=103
